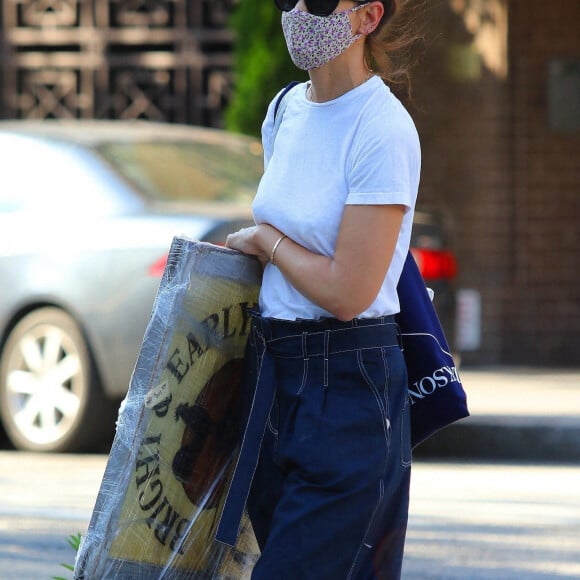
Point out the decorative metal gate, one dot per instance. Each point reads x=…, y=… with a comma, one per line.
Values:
x=165, y=60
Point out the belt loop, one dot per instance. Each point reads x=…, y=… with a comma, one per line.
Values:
x=400, y=337
x=326, y=348
x=305, y=344
x=259, y=326
x=266, y=329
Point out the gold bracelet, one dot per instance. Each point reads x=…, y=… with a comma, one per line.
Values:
x=273, y=254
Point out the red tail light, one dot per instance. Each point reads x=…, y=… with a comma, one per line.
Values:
x=435, y=264
x=158, y=267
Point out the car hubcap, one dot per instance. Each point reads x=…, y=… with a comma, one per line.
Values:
x=44, y=383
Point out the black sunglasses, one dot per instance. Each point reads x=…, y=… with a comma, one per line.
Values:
x=315, y=7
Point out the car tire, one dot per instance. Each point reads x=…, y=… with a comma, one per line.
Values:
x=49, y=395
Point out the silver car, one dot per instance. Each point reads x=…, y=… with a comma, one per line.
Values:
x=88, y=211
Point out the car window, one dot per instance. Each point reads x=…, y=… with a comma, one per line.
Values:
x=189, y=171
x=45, y=176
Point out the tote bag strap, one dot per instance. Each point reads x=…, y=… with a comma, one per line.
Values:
x=280, y=107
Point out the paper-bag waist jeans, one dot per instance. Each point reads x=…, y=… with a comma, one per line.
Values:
x=328, y=413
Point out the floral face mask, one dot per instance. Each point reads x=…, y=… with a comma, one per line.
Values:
x=315, y=40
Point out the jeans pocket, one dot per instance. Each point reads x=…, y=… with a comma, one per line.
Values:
x=374, y=369
x=385, y=373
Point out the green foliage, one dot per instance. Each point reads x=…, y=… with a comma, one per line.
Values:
x=74, y=541
x=261, y=64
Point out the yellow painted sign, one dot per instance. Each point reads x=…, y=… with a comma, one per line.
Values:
x=178, y=431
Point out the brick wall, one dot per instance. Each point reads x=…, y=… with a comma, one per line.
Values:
x=546, y=188
x=509, y=184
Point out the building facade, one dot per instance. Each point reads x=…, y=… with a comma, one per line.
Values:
x=164, y=60
x=498, y=108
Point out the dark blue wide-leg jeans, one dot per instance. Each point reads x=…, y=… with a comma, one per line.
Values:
x=330, y=495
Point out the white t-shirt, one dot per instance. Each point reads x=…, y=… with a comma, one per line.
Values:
x=360, y=149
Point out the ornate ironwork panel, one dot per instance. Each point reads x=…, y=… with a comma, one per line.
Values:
x=166, y=60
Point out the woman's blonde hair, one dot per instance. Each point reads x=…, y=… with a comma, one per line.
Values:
x=391, y=49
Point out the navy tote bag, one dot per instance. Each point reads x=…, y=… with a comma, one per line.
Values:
x=435, y=391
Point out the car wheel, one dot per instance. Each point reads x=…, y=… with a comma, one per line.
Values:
x=49, y=398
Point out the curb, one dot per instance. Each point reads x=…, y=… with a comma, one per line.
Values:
x=537, y=438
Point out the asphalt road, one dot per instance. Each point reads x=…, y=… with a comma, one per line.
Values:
x=494, y=521
x=468, y=520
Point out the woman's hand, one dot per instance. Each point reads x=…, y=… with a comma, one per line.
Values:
x=251, y=241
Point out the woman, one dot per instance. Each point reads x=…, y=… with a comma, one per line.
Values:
x=333, y=214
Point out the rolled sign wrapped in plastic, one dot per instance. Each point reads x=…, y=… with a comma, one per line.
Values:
x=177, y=433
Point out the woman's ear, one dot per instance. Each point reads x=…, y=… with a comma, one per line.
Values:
x=369, y=17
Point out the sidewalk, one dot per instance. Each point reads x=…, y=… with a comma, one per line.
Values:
x=516, y=414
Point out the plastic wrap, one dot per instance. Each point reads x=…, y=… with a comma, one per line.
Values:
x=177, y=433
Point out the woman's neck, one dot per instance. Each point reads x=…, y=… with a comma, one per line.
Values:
x=326, y=86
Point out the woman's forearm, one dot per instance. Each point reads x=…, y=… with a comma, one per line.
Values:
x=313, y=275
x=347, y=283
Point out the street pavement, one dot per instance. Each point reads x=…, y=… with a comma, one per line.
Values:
x=468, y=520
x=522, y=414
x=493, y=521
